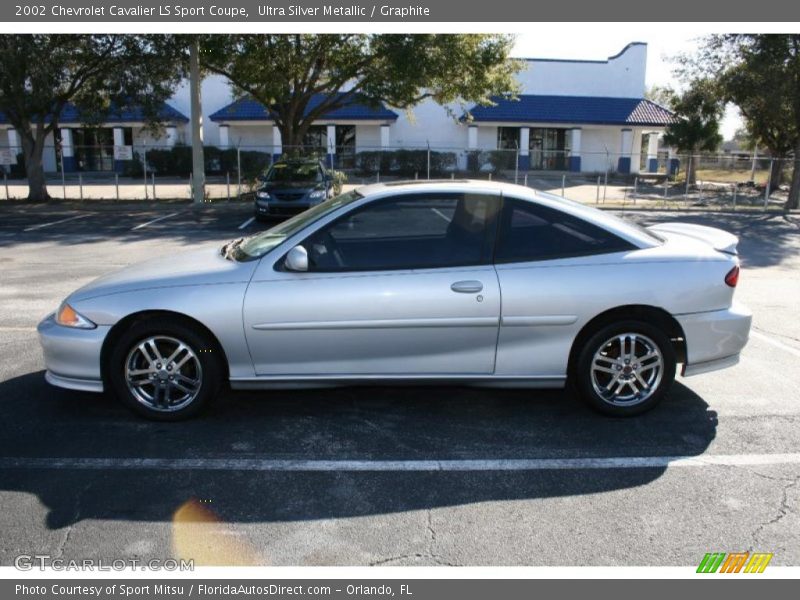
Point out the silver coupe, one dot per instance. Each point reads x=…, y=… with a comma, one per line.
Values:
x=460, y=282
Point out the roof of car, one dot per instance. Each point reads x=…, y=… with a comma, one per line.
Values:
x=601, y=218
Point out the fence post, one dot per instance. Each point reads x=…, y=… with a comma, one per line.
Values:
x=526, y=180
x=429, y=160
x=516, y=165
x=5, y=181
x=228, y=184
x=769, y=184
x=735, y=189
x=688, y=172
x=116, y=184
x=238, y=172
x=153, y=179
x=563, y=184
x=63, y=178
x=80, y=185
x=144, y=168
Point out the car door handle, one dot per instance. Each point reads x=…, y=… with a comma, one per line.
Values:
x=467, y=287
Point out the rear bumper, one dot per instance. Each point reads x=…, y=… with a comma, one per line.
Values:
x=72, y=356
x=714, y=339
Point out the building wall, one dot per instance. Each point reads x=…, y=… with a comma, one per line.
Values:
x=621, y=76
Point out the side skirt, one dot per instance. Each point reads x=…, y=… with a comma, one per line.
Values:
x=328, y=381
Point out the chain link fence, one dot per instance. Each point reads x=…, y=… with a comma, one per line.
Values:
x=148, y=172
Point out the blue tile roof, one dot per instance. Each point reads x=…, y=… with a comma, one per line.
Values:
x=70, y=114
x=580, y=110
x=247, y=109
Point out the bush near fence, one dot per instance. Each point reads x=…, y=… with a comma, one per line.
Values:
x=405, y=163
x=177, y=162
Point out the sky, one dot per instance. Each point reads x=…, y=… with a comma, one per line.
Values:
x=585, y=41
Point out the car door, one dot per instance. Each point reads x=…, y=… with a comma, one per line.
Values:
x=556, y=271
x=401, y=286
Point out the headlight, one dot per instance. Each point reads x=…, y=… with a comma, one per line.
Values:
x=262, y=195
x=317, y=194
x=69, y=317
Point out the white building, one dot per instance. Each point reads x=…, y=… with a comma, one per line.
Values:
x=577, y=115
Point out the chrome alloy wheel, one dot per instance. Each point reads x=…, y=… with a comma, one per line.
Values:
x=627, y=369
x=163, y=373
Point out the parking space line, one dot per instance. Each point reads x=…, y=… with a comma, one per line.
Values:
x=778, y=344
x=463, y=465
x=43, y=225
x=246, y=223
x=143, y=225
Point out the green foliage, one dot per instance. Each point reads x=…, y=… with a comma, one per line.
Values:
x=475, y=161
x=40, y=74
x=284, y=72
x=760, y=74
x=698, y=111
x=502, y=160
x=177, y=161
x=405, y=163
x=339, y=178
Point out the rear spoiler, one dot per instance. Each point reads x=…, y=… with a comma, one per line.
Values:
x=716, y=238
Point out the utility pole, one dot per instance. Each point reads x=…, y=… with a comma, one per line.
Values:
x=198, y=160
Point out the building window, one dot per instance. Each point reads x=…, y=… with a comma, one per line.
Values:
x=316, y=139
x=549, y=148
x=345, y=146
x=507, y=138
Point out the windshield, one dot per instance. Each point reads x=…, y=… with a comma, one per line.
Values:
x=294, y=173
x=258, y=245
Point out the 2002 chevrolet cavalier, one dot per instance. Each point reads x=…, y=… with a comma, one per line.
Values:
x=460, y=281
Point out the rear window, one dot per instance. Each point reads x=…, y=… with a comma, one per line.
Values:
x=531, y=232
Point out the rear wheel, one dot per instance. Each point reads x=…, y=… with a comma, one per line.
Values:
x=625, y=368
x=164, y=370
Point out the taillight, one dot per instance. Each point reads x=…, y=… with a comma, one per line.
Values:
x=732, y=278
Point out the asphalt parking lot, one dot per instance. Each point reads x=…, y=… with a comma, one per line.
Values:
x=75, y=481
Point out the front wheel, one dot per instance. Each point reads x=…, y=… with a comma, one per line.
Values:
x=625, y=368
x=164, y=370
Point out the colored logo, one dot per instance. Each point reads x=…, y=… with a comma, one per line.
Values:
x=734, y=562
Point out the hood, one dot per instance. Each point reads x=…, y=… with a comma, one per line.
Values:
x=716, y=238
x=196, y=267
x=293, y=186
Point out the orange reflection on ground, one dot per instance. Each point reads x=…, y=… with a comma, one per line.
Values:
x=198, y=534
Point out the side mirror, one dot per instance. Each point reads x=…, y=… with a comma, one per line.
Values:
x=297, y=259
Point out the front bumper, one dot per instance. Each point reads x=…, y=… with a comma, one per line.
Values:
x=282, y=209
x=72, y=356
x=714, y=339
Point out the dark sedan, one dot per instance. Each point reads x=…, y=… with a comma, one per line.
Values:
x=292, y=186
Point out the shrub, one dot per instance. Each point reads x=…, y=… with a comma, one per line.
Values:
x=502, y=160
x=405, y=163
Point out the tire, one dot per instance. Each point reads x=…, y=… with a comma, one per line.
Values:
x=613, y=387
x=156, y=387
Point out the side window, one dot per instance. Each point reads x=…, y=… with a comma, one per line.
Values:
x=530, y=232
x=407, y=232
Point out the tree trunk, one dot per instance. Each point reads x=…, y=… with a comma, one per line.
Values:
x=292, y=139
x=776, y=171
x=793, y=201
x=33, y=150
